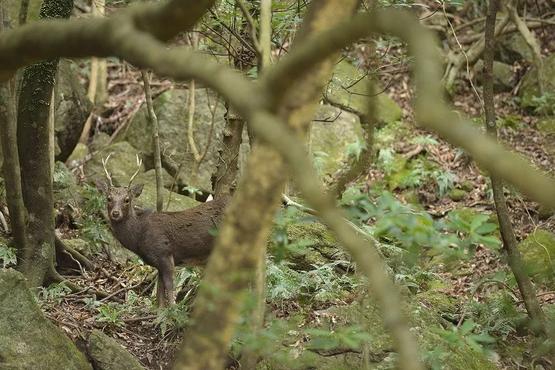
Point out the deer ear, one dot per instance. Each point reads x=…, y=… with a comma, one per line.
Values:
x=102, y=186
x=136, y=190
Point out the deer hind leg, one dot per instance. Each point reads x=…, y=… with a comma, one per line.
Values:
x=165, y=274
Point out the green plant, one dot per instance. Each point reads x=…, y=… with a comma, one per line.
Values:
x=319, y=160
x=445, y=181
x=320, y=284
x=173, y=317
x=355, y=149
x=467, y=334
x=474, y=228
x=111, y=313
x=544, y=104
x=351, y=337
x=8, y=257
x=53, y=294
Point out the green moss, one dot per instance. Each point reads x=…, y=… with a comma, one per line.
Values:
x=108, y=354
x=27, y=339
x=349, y=87
x=538, y=252
x=457, y=194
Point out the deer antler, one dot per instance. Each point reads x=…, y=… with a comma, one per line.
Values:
x=104, y=165
x=139, y=163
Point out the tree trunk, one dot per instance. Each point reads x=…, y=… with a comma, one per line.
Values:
x=33, y=145
x=249, y=358
x=155, y=142
x=10, y=167
x=507, y=233
x=247, y=223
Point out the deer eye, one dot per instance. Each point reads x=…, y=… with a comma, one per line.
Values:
x=110, y=199
x=127, y=200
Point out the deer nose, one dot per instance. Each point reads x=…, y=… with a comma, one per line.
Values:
x=116, y=214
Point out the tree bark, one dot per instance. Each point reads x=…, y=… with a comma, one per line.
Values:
x=33, y=146
x=223, y=180
x=155, y=142
x=507, y=233
x=249, y=358
x=10, y=167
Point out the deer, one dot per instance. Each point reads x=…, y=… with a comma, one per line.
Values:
x=162, y=239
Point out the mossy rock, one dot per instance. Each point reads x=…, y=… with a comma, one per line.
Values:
x=64, y=186
x=318, y=246
x=538, y=252
x=349, y=88
x=27, y=339
x=79, y=154
x=178, y=202
x=530, y=92
x=457, y=194
x=72, y=108
x=513, y=47
x=121, y=165
x=546, y=125
x=107, y=354
x=149, y=177
x=331, y=134
x=13, y=11
x=172, y=111
x=503, y=75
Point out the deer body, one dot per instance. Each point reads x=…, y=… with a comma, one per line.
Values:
x=163, y=239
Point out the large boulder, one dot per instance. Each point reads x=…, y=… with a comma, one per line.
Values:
x=13, y=7
x=331, y=134
x=72, y=109
x=537, y=251
x=27, y=339
x=172, y=111
x=348, y=88
x=503, y=75
x=529, y=93
x=121, y=165
x=107, y=354
x=513, y=47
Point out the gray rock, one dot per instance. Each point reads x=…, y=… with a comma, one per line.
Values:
x=72, y=109
x=349, y=88
x=27, y=339
x=537, y=252
x=330, y=136
x=79, y=153
x=530, y=92
x=503, y=75
x=178, y=202
x=107, y=354
x=121, y=165
x=171, y=110
x=513, y=47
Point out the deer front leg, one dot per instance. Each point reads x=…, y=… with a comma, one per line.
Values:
x=160, y=291
x=165, y=275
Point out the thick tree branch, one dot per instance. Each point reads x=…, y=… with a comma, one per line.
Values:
x=94, y=37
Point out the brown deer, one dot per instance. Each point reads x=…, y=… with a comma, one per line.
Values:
x=162, y=239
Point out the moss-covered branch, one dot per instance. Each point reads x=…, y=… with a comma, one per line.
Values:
x=95, y=37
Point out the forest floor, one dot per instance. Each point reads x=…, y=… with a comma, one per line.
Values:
x=142, y=332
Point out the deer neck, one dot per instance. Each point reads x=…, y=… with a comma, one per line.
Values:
x=128, y=230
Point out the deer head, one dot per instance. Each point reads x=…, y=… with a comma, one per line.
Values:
x=120, y=198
